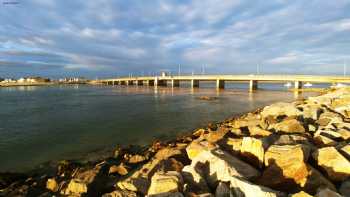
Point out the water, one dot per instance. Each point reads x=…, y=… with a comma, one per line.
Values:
x=39, y=124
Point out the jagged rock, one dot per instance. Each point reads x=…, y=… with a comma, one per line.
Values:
x=323, y=138
x=120, y=169
x=193, y=177
x=215, y=136
x=76, y=187
x=330, y=134
x=312, y=128
x=196, y=147
x=258, y=131
x=235, y=144
x=52, y=185
x=280, y=109
x=252, y=149
x=345, y=188
x=291, y=140
x=333, y=163
x=223, y=190
x=136, y=159
x=289, y=126
x=221, y=166
x=120, y=193
x=312, y=111
x=163, y=182
x=243, y=188
x=345, y=133
x=346, y=151
x=328, y=118
x=301, y=194
x=168, y=152
x=325, y=192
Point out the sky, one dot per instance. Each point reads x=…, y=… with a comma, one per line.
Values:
x=107, y=38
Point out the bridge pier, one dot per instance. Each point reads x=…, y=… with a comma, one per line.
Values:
x=139, y=82
x=220, y=84
x=175, y=83
x=253, y=85
x=298, y=85
x=160, y=82
x=194, y=83
x=129, y=82
x=150, y=82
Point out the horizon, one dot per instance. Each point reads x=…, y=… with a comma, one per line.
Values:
x=104, y=39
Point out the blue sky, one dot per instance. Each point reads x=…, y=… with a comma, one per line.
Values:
x=104, y=38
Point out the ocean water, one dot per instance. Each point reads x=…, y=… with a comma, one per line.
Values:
x=40, y=124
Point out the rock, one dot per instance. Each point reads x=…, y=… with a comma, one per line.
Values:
x=316, y=180
x=243, y=188
x=346, y=151
x=120, y=169
x=345, y=188
x=312, y=128
x=193, y=177
x=120, y=193
x=345, y=133
x=136, y=159
x=291, y=140
x=280, y=109
x=286, y=167
x=325, y=192
x=76, y=187
x=223, y=190
x=257, y=131
x=215, y=136
x=234, y=144
x=301, y=194
x=167, y=194
x=330, y=134
x=52, y=185
x=289, y=126
x=161, y=182
x=220, y=166
x=196, y=147
x=245, y=123
x=333, y=163
x=252, y=149
x=328, y=118
x=312, y=111
x=322, y=139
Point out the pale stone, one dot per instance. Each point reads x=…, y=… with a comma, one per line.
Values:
x=243, y=188
x=335, y=164
x=76, y=187
x=322, y=140
x=235, y=144
x=215, y=136
x=346, y=151
x=196, y=147
x=325, y=192
x=258, y=131
x=136, y=159
x=161, y=182
x=221, y=166
x=329, y=133
x=279, y=109
x=301, y=194
x=253, y=150
x=345, y=133
x=289, y=126
x=52, y=185
x=291, y=140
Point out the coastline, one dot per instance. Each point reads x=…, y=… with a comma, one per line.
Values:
x=241, y=139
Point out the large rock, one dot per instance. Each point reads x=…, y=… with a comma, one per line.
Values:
x=215, y=136
x=221, y=166
x=234, y=145
x=289, y=126
x=346, y=151
x=193, y=178
x=252, y=149
x=164, y=182
x=324, y=138
x=243, y=188
x=121, y=169
x=196, y=147
x=301, y=194
x=120, y=193
x=333, y=163
x=280, y=109
x=257, y=131
x=52, y=185
x=312, y=111
x=223, y=190
x=328, y=117
x=291, y=140
x=325, y=192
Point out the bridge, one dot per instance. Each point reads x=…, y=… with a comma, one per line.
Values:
x=253, y=80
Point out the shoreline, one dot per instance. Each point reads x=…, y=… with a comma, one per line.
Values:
x=123, y=171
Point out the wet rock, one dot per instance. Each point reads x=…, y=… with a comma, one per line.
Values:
x=196, y=147
x=121, y=169
x=301, y=194
x=280, y=109
x=163, y=182
x=333, y=163
x=52, y=185
x=257, y=131
x=345, y=188
x=325, y=192
x=120, y=193
x=289, y=126
x=243, y=188
x=223, y=190
x=193, y=178
x=252, y=149
x=220, y=166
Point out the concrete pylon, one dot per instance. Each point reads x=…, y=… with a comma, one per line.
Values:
x=194, y=83
x=220, y=84
x=298, y=85
x=253, y=85
x=175, y=83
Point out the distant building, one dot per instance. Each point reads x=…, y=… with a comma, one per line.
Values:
x=73, y=80
x=33, y=80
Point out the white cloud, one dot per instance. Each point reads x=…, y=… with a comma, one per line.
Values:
x=288, y=58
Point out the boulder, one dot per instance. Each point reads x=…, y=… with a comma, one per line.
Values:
x=243, y=188
x=289, y=126
x=301, y=194
x=280, y=109
x=345, y=188
x=193, y=178
x=333, y=163
x=325, y=192
x=76, y=187
x=223, y=190
x=291, y=140
x=257, y=131
x=329, y=118
x=196, y=147
x=215, y=136
x=167, y=194
x=136, y=159
x=311, y=111
x=234, y=145
x=322, y=138
x=120, y=193
x=220, y=166
x=345, y=133
x=252, y=149
x=346, y=151
x=52, y=185
x=121, y=169
x=163, y=182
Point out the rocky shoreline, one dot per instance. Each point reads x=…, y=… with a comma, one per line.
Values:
x=285, y=149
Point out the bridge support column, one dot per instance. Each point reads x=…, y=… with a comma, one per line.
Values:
x=122, y=82
x=129, y=82
x=220, y=84
x=139, y=82
x=175, y=83
x=298, y=85
x=160, y=82
x=150, y=82
x=253, y=85
x=194, y=83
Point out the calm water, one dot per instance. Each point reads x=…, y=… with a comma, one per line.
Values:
x=38, y=124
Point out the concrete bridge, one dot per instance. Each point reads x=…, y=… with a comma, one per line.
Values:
x=253, y=80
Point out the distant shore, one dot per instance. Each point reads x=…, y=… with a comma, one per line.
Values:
x=14, y=84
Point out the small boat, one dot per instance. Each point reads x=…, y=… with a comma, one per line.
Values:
x=307, y=84
x=289, y=84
